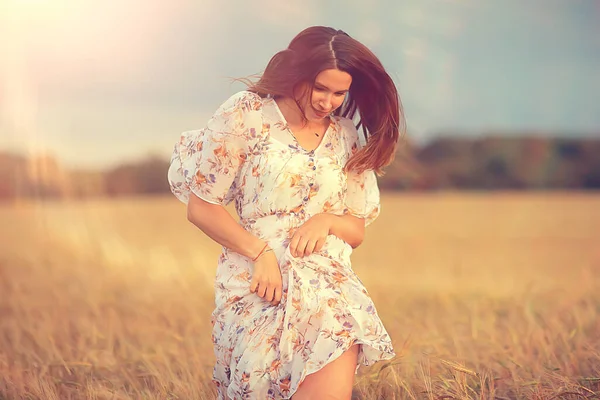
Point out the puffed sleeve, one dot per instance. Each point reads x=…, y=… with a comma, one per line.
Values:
x=362, y=198
x=206, y=162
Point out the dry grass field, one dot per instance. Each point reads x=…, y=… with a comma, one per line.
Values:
x=486, y=296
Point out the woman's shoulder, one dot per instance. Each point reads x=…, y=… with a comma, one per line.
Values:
x=244, y=100
x=348, y=132
x=240, y=115
x=347, y=125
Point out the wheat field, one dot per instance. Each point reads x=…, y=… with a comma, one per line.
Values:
x=485, y=295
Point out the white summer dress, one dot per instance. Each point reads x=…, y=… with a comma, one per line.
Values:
x=247, y=154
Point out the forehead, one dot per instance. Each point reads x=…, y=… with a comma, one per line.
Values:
x=334, y=79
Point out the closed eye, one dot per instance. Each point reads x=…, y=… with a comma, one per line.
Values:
x=320, y=89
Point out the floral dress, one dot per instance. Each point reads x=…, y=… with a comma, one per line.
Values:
x=248, y=155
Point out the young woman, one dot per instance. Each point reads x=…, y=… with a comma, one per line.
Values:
x=291, y=316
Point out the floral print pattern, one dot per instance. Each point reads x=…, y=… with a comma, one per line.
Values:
x=248, y=155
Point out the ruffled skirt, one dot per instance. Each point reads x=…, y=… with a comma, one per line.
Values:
x=265, y=351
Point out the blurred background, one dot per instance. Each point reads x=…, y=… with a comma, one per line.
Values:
x=497, y=95
x=484, y=265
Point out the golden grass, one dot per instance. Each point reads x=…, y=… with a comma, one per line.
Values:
x=485, y=296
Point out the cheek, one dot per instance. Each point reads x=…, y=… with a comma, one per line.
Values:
x=316, y=97
x=337, y=101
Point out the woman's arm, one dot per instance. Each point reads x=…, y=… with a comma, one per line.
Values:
x=219, y=225
x=347, y=227
x=311, y=235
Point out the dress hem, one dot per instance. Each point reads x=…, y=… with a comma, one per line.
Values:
x=366, y=363
x=386, y=355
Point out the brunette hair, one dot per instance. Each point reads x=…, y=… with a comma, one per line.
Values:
x=372, y=94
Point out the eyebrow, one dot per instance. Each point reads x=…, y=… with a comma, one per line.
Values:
x=337, y=91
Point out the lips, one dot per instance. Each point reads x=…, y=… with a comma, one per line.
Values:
x=320, y=114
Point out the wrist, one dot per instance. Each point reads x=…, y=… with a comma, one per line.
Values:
x=330, y=220
x=254, y=248
x=260, y=253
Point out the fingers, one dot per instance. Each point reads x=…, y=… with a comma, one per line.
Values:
x=294, y=243
x=266, y=278
x=269, y=293
x=277, y=297
x=320, y=244
x=300, y=246
x=262, y=290
x=310, y=247
x=254, y=284
x=304, y=243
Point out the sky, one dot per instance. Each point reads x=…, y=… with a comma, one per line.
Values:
x=97, y=83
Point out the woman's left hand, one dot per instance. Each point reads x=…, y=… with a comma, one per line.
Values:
x=311, y=235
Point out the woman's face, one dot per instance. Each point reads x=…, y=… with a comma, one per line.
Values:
x=328, y=93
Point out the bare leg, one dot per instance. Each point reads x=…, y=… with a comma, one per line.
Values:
x=332, y=382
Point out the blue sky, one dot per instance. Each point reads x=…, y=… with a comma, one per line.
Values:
x=97, y=83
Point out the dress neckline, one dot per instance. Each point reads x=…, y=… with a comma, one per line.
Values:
x=289, y=130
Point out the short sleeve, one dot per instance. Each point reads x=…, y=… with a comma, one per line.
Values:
x=362, y=197
x=207, y=162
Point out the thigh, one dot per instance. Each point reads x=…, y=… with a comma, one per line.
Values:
x=318, y=385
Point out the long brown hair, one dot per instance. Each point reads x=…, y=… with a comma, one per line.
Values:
x=372, y=94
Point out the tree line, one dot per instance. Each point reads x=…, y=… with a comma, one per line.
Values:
x=446, y=163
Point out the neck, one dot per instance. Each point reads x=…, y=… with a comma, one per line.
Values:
x=294, y=117
x=291, y=111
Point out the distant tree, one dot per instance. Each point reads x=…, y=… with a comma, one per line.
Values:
x=569, y=149
x=152, y=176
x=146, y=177
x=591, y=179
x=497, y=167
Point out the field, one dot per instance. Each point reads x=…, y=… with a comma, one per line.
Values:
x=485, y=296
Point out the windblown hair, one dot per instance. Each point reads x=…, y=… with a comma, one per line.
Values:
x=372, y=94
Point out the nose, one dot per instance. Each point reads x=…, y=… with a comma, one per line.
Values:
x=325, y=103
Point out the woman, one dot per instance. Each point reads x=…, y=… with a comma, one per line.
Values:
x=291, y=316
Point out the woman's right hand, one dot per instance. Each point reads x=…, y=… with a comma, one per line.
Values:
x=266, y=279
